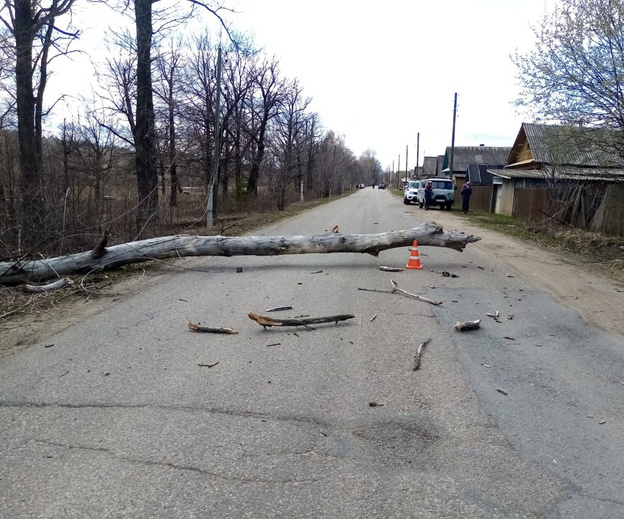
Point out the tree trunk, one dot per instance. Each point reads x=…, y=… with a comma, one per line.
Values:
x=29, y=149
x=427, y=234
x=173, y=152
x=144, y=138
x=254, y=172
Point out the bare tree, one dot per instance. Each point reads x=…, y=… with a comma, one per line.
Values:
x=98, y=152
x=369, y=168
x=168, y=91
x=237, y=83
x=288, y=138
x=265, y=102
x=200, y=90
x=334, y=161
x=37, y=38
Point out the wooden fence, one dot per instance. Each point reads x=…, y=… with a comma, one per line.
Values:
x=532, y=204
x=480, y=199
x=598, y=210
x=609, y=218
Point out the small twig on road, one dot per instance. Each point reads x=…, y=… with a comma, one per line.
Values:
x=390, y=269
x=397, y=290
x=208, y=329
x=279, y=308
x=416, y=364
x=208, y=365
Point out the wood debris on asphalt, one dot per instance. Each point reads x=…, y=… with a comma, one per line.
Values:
x=416, y=363
x=495, y=316
x=467, y=325
x=269, y=321
x=278, y=309
x=209, y=329
x=397, y=290
x=390, y=269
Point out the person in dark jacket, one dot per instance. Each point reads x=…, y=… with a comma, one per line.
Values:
x=465, y=194
x=428, y=194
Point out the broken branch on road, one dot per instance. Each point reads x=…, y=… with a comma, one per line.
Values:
x=269, y=321
x=397, y=290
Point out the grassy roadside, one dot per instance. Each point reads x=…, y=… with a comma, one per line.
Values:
x=605, y=253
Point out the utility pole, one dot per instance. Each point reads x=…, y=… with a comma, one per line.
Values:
x=399, y=167
x=417, y=153
x=407, y=175
x=211, y=205
x=453, y=137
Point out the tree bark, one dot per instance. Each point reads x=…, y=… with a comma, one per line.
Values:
x=427, y=234
x=144, y=137
x=29, y=147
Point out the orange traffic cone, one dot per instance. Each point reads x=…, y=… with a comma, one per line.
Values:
x=414, y=260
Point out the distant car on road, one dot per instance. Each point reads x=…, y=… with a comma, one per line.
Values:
x=410, y=191
x=360, y=186
x=382, y=186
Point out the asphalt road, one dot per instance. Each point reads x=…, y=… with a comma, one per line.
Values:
x=521, y=418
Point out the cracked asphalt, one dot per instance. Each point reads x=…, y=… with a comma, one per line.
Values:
x=118, y=418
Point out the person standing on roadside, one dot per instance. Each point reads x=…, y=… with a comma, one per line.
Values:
x=465, y=194
x=428, y=194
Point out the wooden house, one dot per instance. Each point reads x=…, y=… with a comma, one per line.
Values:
x=569, y=174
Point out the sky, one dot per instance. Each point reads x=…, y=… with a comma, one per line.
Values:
x=383, y=74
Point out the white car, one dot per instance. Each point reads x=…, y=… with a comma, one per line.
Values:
x=410, y=191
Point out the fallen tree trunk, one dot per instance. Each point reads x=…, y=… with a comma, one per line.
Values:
x=101, y=258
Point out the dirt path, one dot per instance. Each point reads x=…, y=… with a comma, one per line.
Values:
x=598, y=298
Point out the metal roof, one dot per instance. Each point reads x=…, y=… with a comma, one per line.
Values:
x=573, y=145
x=464, y=155
x=597, y=174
